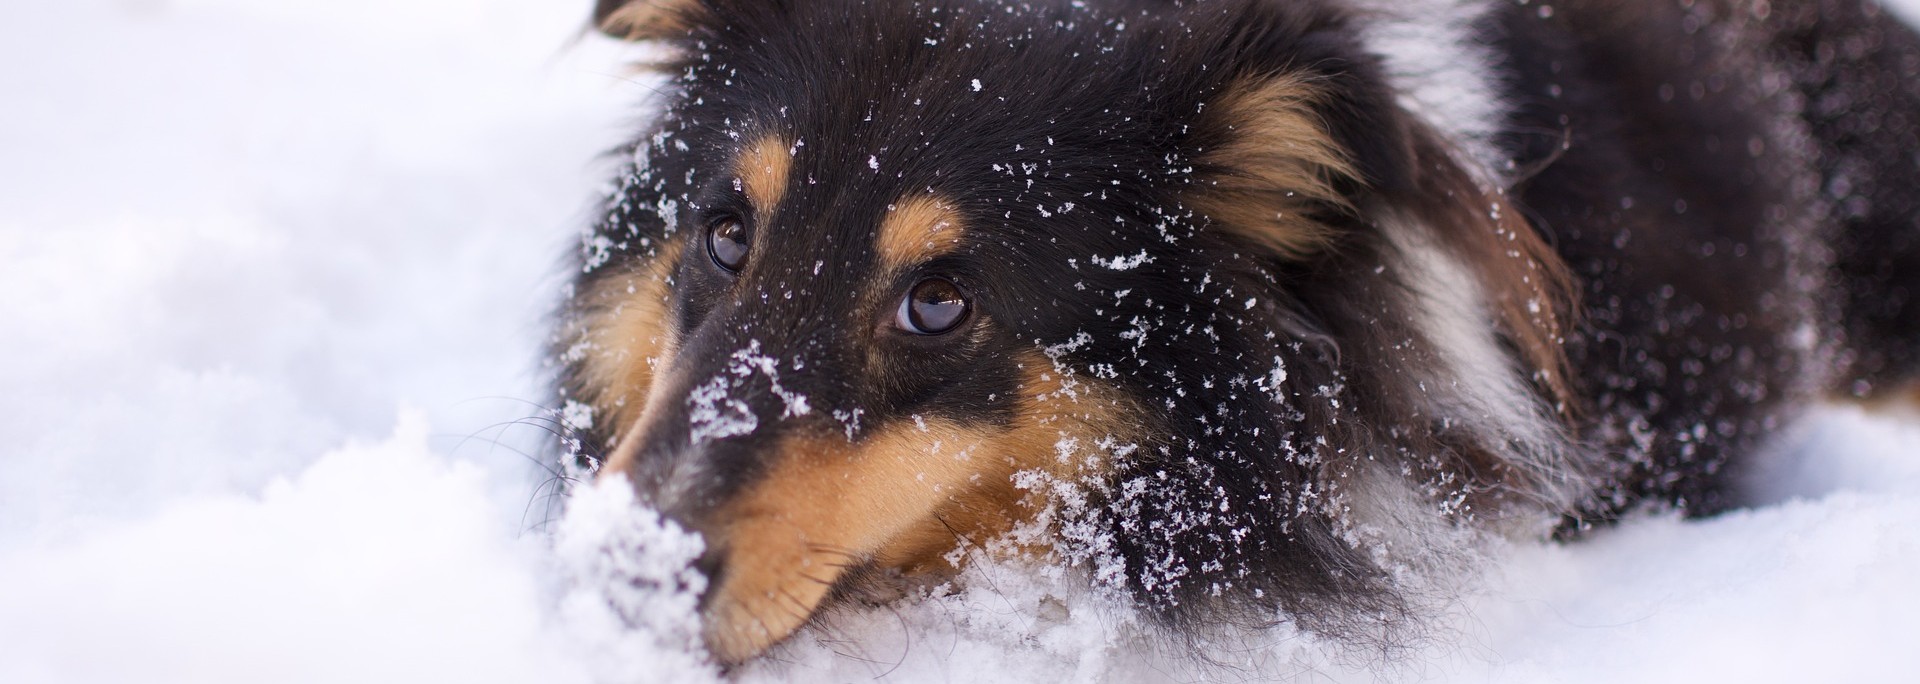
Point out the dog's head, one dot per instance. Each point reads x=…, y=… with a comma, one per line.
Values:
x=885, y=272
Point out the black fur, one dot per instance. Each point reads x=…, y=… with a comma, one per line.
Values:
x=1733, y=196
x=1733, y=270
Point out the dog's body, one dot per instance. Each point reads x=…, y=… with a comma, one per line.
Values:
x=1239, y=303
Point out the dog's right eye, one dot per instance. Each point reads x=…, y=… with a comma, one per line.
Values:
x=727, y=242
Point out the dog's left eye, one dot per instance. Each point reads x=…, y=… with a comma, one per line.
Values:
x=934, y=306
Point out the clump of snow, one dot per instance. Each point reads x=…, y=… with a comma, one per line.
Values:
x=633, y=596
x=714, y=411
x=1123, y=263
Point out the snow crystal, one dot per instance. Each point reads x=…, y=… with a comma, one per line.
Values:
x=1123, y=263
x=1059, y=351
x=576, y=416
x=715, y=414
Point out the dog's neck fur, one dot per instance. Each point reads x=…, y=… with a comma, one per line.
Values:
x=1443, y=72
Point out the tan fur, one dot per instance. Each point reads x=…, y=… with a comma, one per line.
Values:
x=824, y=506
x=917, y=228
x=652, y=19
x=1535, y=303
x=1282, y=164
x=629, y=332
x=1279, y=167
x=901, y=498
x=762, y=170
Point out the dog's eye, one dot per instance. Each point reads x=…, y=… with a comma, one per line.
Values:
x=727, y=242
x=934, y=306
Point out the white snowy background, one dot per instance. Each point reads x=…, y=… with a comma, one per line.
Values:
x=273, y=279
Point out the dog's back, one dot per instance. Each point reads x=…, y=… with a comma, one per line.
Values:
x=1859, y=71
x=1734, y=185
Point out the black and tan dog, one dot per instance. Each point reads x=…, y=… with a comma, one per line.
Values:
x=1242, y=304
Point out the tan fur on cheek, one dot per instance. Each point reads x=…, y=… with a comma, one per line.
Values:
x=762, y=172
x=901, y=498
x=825, y=505
x=1278, y=166
x=628, y=341
x=1068, y=431
x=916, y=229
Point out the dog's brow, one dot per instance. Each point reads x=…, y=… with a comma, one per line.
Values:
x=762, y=170
x=915, y=229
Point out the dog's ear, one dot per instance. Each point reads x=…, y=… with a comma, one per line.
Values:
x=1271, y=171
x=1291, y=164
x=1281, y=155
x=649, y=19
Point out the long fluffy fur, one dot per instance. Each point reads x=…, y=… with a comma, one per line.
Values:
x=1290, y=296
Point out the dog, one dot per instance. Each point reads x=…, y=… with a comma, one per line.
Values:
x=1244, y=306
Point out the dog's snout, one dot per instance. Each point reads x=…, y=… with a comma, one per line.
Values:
x=717, y=418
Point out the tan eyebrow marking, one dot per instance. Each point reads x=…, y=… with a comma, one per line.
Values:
x=761, y=172
x=917, y=228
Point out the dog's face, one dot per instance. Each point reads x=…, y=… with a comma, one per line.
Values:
x=884, y=277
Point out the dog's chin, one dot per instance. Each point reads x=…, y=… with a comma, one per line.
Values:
x=778, y=582
x=771, y=583
x=741, y=623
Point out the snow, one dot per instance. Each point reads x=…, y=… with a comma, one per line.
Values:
x=274, y=278
x=364, y=566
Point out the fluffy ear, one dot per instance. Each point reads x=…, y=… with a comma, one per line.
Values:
x=648, y=19
x=1272, y=172
x=1291, y=160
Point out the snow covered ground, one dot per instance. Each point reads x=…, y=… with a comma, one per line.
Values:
x=272, y=284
